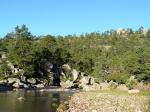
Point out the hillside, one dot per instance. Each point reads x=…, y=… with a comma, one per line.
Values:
x=113, y=55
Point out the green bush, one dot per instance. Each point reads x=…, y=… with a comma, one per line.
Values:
x=131, y=83
x=4, y=70
x=120, y=78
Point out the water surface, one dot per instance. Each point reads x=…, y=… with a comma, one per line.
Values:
x=31, y=101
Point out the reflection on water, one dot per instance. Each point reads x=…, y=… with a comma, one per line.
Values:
x=31, y=101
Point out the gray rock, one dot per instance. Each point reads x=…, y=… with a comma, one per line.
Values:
x=48, y=66
x=113, y=85
x=31, y=81
x=20, y=85
x=104, y=86
x=92, y=81
x=85, y=80
x=3, y=81
x=84, y=87
x=96, y=86
x=66, y=84
x=25, y=86
x=16, y=70
x=66, y=67
x=82, y=74
x=133, y=91
x=39, y=86
x=23, y=78
x=20, y=98
x=12, y=80
x=16, y=85
x=75, y=74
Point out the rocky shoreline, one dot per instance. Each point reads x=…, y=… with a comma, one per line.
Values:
x=98, y=101
x=17, y=83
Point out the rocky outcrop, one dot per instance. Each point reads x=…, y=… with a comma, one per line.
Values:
x=22, y=83
x=65, y=76
x=77, y=79
x=71, y=78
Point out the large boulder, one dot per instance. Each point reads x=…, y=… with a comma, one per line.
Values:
x=16, y=85
x=85, y=80
x=66, y=67
x=2, y=82
x=12, y=80
x=67, y=84
x=25, y=86
x=75, y=74
x=31, y=80
x=20, y=85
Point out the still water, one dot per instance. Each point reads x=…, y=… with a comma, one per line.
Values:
x=31, y=101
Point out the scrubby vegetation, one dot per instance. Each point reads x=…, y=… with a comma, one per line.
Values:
x=113, y=55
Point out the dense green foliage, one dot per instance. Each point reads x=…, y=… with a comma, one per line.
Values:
x=111, y=55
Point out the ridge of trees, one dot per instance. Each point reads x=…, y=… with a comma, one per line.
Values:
x=113, y=55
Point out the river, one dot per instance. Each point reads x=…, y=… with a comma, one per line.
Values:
x=31, y=100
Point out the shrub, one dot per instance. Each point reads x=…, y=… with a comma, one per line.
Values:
x=131, y=82
x=120, y=78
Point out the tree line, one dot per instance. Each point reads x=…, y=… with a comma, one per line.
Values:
x=112, y=55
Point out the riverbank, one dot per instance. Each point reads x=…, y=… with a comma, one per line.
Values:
x=108, y=101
